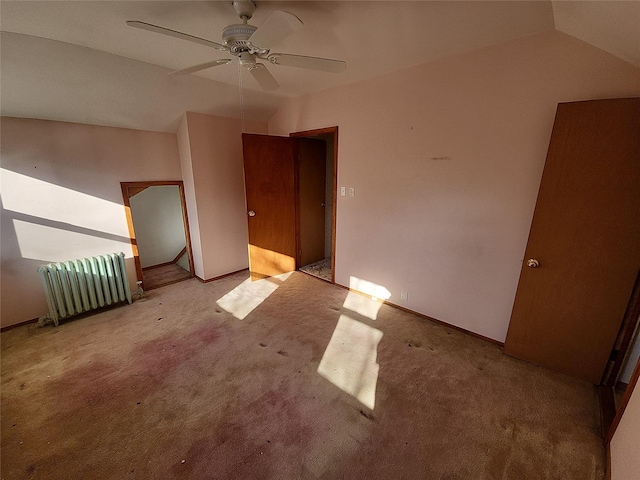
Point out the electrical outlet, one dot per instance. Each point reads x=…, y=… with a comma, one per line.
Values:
x=343, y=191
x=352, y=191
x=404, y=295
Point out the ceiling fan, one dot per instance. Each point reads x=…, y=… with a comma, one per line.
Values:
x=250, y=43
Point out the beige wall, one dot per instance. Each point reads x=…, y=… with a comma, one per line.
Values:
x=212, y=166
x=186, y=165
x=61, y=198
x=625, y=444
x=452, y=231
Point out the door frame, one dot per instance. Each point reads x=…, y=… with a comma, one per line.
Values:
x=129, y=189
x=625, y=337
x=633, y=383
x=314, y=134
x=609, y=414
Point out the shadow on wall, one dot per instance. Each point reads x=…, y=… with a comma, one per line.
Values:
x=49, y=222
x=42, y=222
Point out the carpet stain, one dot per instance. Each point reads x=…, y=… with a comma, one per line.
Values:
x=199, y=451
x=118, y=403
x=162, y=356
x=86, y=385
x=122, y=390
x=208, y=334
x=281, y=415
x=99, y=384
x=234, y=458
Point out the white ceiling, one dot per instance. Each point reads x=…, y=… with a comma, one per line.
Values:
x=78, y=61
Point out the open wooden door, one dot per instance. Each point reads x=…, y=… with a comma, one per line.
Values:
x=270, y=189
x=583, y=253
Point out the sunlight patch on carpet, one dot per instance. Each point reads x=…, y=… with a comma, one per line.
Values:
x=368, y=304
x=349, y=362
x=246, y=297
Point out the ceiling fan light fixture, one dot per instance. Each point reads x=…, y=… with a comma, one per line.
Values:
x=247, y=59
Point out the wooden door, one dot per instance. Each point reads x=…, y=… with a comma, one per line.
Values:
x=586, y=236
x=312, y=158
x=270, y=190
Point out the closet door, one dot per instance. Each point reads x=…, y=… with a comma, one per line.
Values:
x=583, y=253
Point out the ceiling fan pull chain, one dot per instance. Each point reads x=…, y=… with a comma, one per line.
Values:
x=241, y=96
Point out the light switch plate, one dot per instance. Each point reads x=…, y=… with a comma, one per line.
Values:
x=343, y=191
x=352, y=191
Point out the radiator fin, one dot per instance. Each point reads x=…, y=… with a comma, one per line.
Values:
x=78, y=286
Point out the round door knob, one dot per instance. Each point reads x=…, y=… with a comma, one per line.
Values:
x=533, y=263
x=252, y=213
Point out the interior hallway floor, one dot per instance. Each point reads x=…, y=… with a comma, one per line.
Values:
x=283, y=378
x=167, y=274
x=321, y=269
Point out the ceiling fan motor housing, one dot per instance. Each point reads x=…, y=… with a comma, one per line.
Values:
x=236, y=37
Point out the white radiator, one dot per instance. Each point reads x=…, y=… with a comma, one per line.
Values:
x=81, y=285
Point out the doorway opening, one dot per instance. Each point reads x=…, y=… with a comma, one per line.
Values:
x=316, y=181
x=159, y=231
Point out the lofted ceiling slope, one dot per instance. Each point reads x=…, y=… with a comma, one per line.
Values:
x=79, y=61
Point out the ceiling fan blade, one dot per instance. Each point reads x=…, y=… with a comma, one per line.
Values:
x=313, y=63
x=278, y=26
x=263, y=77
x=172, y=33
x=202, y=66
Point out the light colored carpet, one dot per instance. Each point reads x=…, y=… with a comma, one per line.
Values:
x=294, y=386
